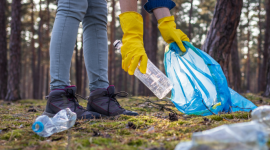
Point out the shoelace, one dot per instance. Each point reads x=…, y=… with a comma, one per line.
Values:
x=70, y=94
x=112, y=97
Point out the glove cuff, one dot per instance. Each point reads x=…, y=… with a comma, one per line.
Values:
x=129, y=14
x=165, y=19
x=131, y=21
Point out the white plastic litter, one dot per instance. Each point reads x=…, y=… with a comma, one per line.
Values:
x=241, y=136
x=154, y=79
x=63, y=120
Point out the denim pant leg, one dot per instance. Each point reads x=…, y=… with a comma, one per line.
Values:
x=95, y=44
x=69, y=14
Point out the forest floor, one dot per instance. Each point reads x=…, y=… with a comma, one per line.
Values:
x=152, y=130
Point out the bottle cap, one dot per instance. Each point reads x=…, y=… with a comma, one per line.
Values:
x=115, y=43
x=37, y=127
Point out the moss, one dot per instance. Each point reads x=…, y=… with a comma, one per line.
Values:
x=136, y=142
x=84, y=142
x=123, y=132
x=140, y=109
x=124, y=117
x=170, y=144
x=242, y=115
x=215, y=117
x=268, y=143
x=103, y=141
x=18, y=133
x=170, y=133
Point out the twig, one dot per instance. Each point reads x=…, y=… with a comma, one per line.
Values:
x=160, y=106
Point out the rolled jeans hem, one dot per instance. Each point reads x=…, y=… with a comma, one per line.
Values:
x=98, y=85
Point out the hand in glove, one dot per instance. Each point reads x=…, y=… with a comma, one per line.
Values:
x=167, y=28
x=133, y=51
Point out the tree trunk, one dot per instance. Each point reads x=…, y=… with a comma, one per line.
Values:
x=266, y=49
x=147, y=40
x=132, y=85
x=34, y=84
x=40, y=43
x=190, y=18
x=23, y=72
x=125, y=81
x=120, y=78
x=78, y=69
x=3, y=50
x=81, y=68
x=248, y=53
x=235, y=65
x=84, y=73
x=222, y=31
x=47, y=82
x=13, y=88
x=267, y=90
x=85, y=86
x=154, y=38
x=41, y=82
x=259, y=66
x=111, y=47
x=112, y=39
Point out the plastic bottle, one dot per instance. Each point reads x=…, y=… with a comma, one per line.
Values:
x=262, y=115
x=247, y=135
x=63, y=120
x=241, y=136
x=154, y=79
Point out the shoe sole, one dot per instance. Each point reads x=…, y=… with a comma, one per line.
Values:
x=52, y=115
x=48, y=114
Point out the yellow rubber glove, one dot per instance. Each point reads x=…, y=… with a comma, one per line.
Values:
x=167, y=28
x=133, y=51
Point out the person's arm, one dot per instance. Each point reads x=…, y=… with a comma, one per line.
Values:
x=128, y=5
x=132, y=51
x=161, y=12
x=166, y=23
x=167, y=28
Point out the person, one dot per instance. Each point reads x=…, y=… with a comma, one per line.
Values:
x=93, y=14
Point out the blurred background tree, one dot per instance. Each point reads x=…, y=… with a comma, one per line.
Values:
x=25, y=30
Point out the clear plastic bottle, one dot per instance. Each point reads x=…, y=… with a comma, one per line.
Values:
x=260, y=112
x=154, y=79
x=63, y=120
x=247, y=136
x=262, y=115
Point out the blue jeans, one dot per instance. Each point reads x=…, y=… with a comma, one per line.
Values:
x=93, y=14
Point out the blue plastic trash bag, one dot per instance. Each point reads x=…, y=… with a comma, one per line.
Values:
x=200, y=87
